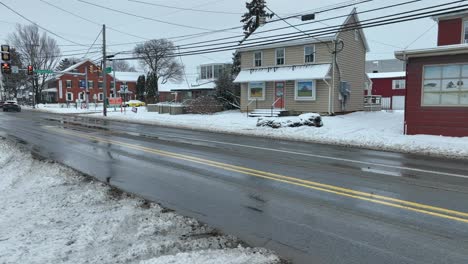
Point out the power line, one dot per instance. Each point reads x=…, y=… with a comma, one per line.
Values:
x=349, y=27
x=186, y=9
x=91, y=21
x=41, y=27
x=147, y=18
x=93, y=43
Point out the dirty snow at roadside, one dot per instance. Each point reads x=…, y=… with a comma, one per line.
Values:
x=51, y=214
x=374, y=130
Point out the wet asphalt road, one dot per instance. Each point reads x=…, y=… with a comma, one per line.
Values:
x=311, y=203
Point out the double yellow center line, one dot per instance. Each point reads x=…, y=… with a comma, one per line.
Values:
x=344, y=192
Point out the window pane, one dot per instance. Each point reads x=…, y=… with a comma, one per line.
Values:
x=452, y=71
x=304, y=89
x=431, y=98
x=465, y=70
x=203, y=72
x=432, y=72
x=449, y=98
x=463, y=84
x=431, y=85
x=464, y=98
x=256, y=89
x=466, y=31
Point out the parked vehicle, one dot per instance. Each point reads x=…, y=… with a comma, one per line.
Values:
x=134, y=103
x=11, y=106
x=1, y=104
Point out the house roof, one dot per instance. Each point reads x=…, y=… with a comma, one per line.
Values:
x=303, y=72
x=190, y=82
x=73, y=67
x=383, y=75
x=437, y=51
x=453, y=14
x=280, y=33
x=127, y=76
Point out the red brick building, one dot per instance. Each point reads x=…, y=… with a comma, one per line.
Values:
x=391, y=86
x=437, y=81
x=72, y=88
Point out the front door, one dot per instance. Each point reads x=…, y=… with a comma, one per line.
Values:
x=279, y=94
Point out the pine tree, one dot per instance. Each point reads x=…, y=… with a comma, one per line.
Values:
x=151, y=88
x=140, y=87
x=251, y=19
x=227, y=92
x=65, y=63
x=236, y=63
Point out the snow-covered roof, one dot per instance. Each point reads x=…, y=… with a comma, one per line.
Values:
x=279, y=31
x=189, y=82
x=127, y=76
x=73, y=67
x=436, y=51
x=50, y=90
x=382, y=75
x=305, y=72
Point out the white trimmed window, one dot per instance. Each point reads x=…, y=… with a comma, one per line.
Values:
x=100, y=84
x=305, y=90
x=69, y=84
x=280, y=56
x=100, y=97
x=309, y=54
x=258, y=58
x=465, y=32
x=81, y=96
x=398, y=84
x=69, y=96
x=256, y=91
x=445, y=85
x=90, y=84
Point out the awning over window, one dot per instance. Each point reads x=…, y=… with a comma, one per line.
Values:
x=306, y=72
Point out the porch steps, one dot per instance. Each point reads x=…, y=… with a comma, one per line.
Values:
x=266, y=113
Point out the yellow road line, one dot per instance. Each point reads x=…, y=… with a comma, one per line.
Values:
x=421, y=208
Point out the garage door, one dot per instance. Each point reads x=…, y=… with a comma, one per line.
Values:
x=398, y=103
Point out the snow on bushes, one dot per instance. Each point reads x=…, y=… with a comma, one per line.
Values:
x=309, y=119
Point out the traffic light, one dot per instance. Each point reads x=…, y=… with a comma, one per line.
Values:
x=6, y=68
x=5, y=53
x=91, y=69
x=30, y=70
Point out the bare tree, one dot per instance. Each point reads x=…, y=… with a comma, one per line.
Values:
x=124, y=66
x=157, y=58
x=40, y=51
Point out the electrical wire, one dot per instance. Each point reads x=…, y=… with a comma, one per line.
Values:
x=186, y=9
x=41, y=27
x=100, y=32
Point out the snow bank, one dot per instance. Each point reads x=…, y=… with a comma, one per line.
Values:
x=309, y=119
x=51, y=214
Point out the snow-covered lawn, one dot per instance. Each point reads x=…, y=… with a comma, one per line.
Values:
x=63, y=109
x=374, y=130
x=51, y=214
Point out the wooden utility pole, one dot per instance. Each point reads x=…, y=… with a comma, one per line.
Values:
x=104, y=73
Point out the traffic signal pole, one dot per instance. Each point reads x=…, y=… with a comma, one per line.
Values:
x=87, y=88
x=104, y=73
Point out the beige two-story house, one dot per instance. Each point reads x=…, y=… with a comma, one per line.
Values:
x=292, y=69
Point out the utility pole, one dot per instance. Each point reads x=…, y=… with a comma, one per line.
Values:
x=87, y=88
x=104, y=73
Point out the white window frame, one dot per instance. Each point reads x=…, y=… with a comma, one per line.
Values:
x=284, y=56
x=66, y=84
x=261, y=58
x=100, y=97
x=460, y=77
x=102, y=85
x=81, y=96
x=313, y=52
x=256, y=98
x=399, y=82
x=303, y=98
x=92, y=84
x=71, y=100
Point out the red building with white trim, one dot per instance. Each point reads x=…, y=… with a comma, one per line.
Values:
x=437, y=81
x=71, y=88
x=391, y=86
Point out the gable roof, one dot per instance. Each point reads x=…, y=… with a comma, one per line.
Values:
x=383, y=75
x=280, y=33
x=73, y=67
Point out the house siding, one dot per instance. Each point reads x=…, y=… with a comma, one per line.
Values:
x=294, y=56
x=450, y=32
x=352, y=63
x=320, y=104
x=447, y=121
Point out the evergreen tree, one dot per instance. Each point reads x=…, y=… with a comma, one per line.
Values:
x=151, y=88
x=251, y=19
x=227, y=92
x=140, y=87
x=236, y=63
x=65, y=63
x=12, y=82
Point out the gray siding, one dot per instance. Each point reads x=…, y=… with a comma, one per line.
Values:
x=294, y=56
x=352, y=62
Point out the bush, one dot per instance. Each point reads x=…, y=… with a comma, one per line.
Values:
x=310, y=119
x=204, y=105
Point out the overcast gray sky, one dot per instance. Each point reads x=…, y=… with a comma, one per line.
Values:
x=383, y=40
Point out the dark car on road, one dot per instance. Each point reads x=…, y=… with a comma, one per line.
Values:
x=11, y=107
x=1, y=104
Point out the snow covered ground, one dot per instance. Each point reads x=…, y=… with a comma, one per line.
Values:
x=373, y=130
x=51, y=214
x=63, y=109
